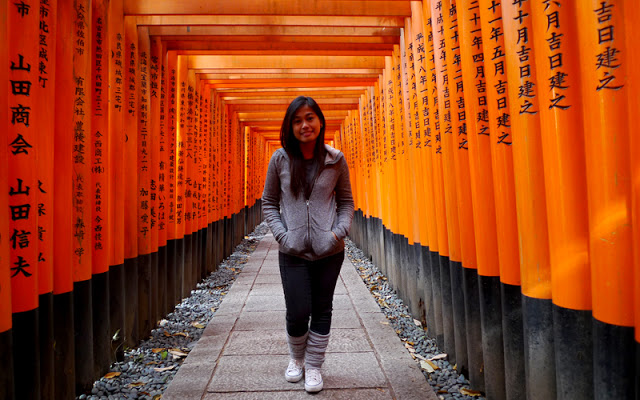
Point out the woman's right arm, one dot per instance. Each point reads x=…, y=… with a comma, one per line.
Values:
x=271, y=200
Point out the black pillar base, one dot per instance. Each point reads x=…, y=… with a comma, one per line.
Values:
x=45, y=311
x=117, y=303
x=6, y=367
x=101, y=323
x=83, y=332
x=512, y=326
x=473, y=322
x=131, y=338
x=492, y=340
x=573, y=344
x=614, y=374
x=63, y=335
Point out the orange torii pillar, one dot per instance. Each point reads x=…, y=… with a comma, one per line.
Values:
x=63, y=299
x=471, y=331
x=415, y=281
x=82, y=213
x=164, y=201
x=45, y=106
x=531, y=206
x=6, y=340
x=179, y=64
x=495, y=72
x=142, y=198
x=205, y=201
x=214, y=157
x=158, y=165
x=482, y=193
x=174, y=250
x=438, y=242
x=130, y=151
x=99, y=189
x=632, y=12
x=604, y=72
x=116, y=107
x=23, y=146
x=422, y=121
x=451, y=269
x=560, y=105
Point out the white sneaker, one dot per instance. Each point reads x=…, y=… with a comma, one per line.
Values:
x=294, y=370
x=313, y=380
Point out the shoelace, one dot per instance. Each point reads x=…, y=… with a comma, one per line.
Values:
x=295, y=367
x=313, y=376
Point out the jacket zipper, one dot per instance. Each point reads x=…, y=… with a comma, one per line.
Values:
x=308, y=225
x=309, y=211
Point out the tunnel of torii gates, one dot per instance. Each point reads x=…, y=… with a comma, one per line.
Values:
x=495, y=175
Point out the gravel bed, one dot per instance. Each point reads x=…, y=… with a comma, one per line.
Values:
x=441, y=375
x=148, y=369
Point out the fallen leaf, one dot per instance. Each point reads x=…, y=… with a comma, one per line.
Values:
x=112, y=375
x=157, y=350
x=151, y=363
x=136, y=384
x=164, y=369
x=384, y=322
x=420, y=357
x=426, y=366
x=438, y=357
x=410, y=348
x=157, y=397
x=469, y=392
x=213, y=309
x=197, y=325
x=167, y=334
x=181, y=334
x=177, y=353
x=442, y=391
x=433, y=365
x=418, y=323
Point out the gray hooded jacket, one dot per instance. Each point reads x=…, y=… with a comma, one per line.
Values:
x=305, y=227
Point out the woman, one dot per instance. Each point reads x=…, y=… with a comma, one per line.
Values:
x=308, y=205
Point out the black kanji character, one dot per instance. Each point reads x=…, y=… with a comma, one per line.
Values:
x=20, y=145
x=20, y=266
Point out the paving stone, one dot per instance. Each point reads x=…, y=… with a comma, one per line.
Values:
x=220, y=325
x=341, y=370
x=270, y=269
x=245, y=278
x=189, y=383
x=256, y=320
x=267, y=289
x=264, y=303
x=274, y=342
x=268, y=278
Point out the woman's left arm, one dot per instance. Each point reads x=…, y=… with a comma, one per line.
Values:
x=344, y=201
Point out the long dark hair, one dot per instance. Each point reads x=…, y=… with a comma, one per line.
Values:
x=292, y=146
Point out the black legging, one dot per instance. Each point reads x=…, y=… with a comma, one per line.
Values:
x=308, y=291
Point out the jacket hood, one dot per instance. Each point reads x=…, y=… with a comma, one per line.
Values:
x=333, y=155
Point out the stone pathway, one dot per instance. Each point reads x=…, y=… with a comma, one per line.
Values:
x=242, y=353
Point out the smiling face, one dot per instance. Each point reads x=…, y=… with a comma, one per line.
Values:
x=306, y=126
